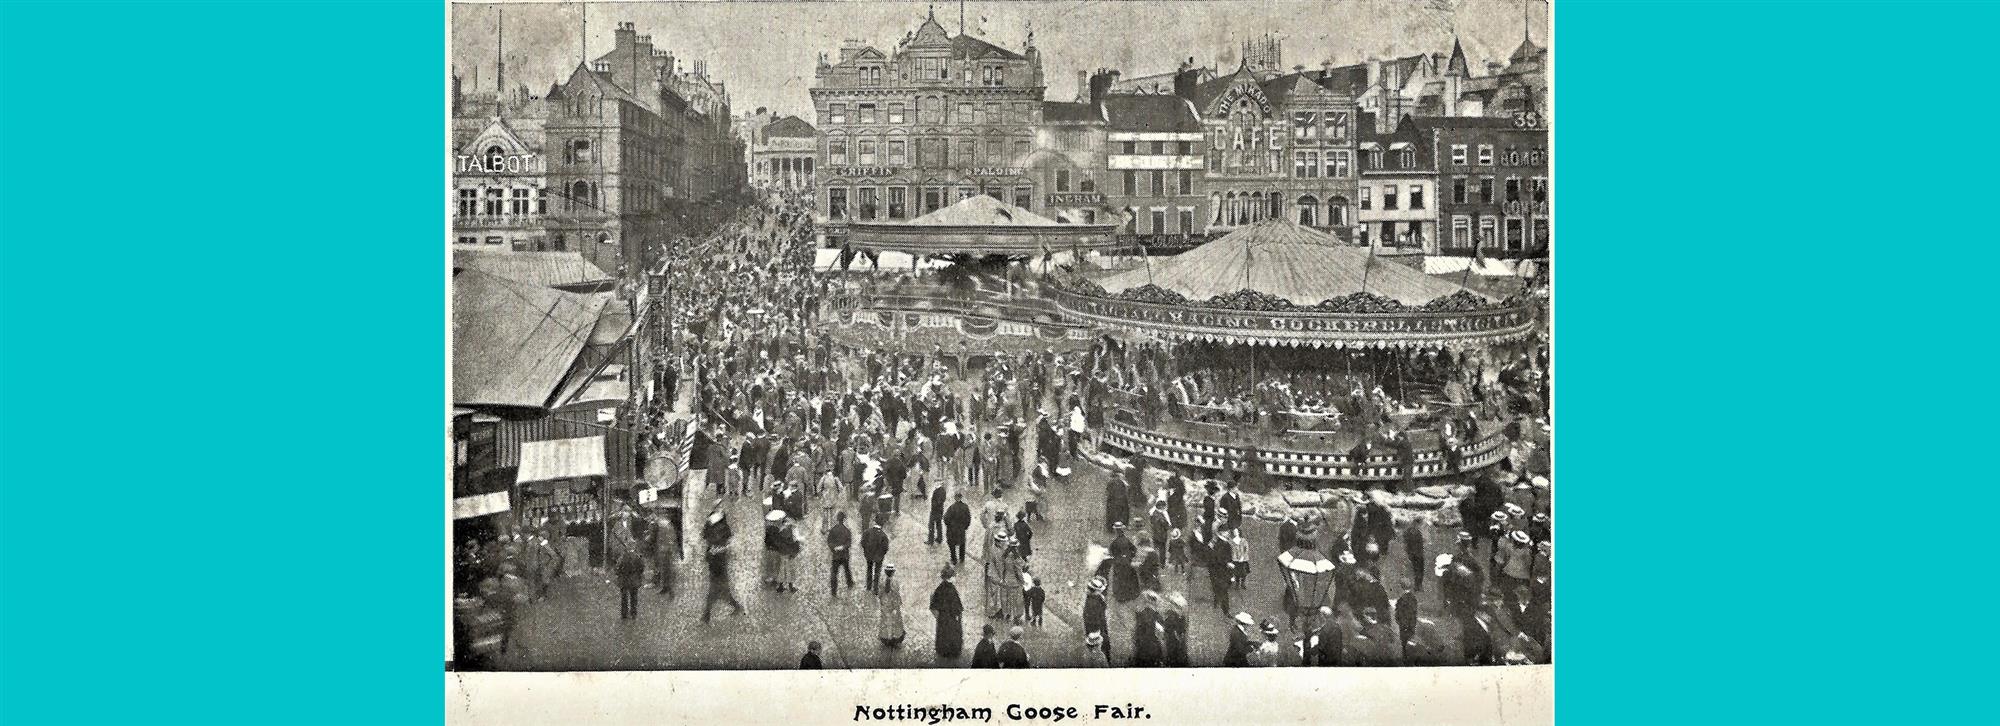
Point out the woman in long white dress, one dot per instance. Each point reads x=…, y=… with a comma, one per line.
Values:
x=889, y=598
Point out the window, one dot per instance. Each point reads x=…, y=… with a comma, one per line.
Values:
x=1186, y=183
x=964, y=113
x=1336, y=125
x=1486, y=190
x=930, y=110
x=1513, y=189
x=962, y=193
x=898, y=151
x=836, y=203
x=864, y=202
x=1305, y=124
x=864, y=113
x=495, y=197
x=836, y=151
x=1389, y=233
x=933, y=199
x=468, y=240
x=930, y=69
x=494, y=240
x=1128, y=148
x=1159, y=148
x=1021, y=149
x=1159, y=221
x=1486, y=233
x=1458, y=154
x=1367, y=202
x=968, y=152
x=468, y=202
x=1131, y=183
x=895, y=113
x=1485, y=154
x=1062, y=180
x=836, y=113
x=1336, y=164
x=1299, y=164
x=1088, y=185
x=1409, y=158
x=1024, y=197
x=996, y=150
x=1308, y=206
x=541, y=201
x=897, y=202
x=520, y=202
x=1336, y=212
x=1541, y=238
x=1159, y=183
x=1458, y=190
x=1374, y=158
x=991, y=114
x=1389, y=196
x=1513, y=233
x=1416, y=196
x=579, y=151
x=1187, y=220
x=1541, y=187
x=867, y=151
x=1461, y=231
x=1187, y=148
x=579, y=196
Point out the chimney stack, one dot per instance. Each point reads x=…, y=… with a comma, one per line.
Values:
x=1186, y=79
x=624, y=37
x=1100, y=85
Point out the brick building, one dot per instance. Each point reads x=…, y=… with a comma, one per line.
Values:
x=1493, y=184
x=1398, y=203
x=937, y=119
x=499, y=184
x=610, y=168
x=1155, y=146
x=1279, y=145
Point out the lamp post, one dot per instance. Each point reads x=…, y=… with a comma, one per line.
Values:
x=1308, y=575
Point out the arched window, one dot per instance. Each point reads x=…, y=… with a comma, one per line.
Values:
x=495, y=158
x=579, y=196
x=1307, y=207
x=1336, y=212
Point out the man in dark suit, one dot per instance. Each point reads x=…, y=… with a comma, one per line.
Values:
x=1322, y=642
x=1012, y=654
x=956, y=519
x=1094, y=620
x=1231, y=508
x=874, y=548
x=839, y=546
x=934, y=531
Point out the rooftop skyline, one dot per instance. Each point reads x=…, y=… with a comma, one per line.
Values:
x=766, y=52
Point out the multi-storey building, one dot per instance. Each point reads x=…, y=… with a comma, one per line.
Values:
x=1154, y=151
x=783, y=152
x=1493, y=184
x=1398, y=203
x=1069, y=160
x=499, y=175
x=609, y=162
x=937, y=119
x=705, y=158
x=1279, y=145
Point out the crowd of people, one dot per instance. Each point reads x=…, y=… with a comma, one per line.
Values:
x=833, y=442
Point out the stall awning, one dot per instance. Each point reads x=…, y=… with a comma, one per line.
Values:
x=561, y=459
x=479, y=505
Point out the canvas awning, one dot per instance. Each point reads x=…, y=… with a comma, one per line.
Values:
x=561, y=459
x=479, y=505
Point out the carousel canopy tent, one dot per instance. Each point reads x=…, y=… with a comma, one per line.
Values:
x=1282, y=258
x=979, y=225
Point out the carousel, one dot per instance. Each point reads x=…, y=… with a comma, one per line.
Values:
x=966, y=289
x=1276, y=351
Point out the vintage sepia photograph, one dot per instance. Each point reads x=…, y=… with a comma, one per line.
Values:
x=1038, y=334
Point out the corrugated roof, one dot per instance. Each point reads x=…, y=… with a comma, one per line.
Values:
x=1282, y=258
x=1150, y=113
x=541, y=269
x=513, y=343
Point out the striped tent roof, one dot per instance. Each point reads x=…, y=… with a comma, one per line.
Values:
x=1280, y=257
x=980, y=210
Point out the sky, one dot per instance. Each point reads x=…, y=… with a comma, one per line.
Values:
x=766, y=51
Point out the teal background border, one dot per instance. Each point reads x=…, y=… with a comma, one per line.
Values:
x=221, y=316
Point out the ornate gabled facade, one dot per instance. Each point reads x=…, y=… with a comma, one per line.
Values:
x=1279, y=145
x=499, y=177
x=936, y=120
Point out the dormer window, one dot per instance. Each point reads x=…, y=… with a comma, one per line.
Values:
x=1409, y=158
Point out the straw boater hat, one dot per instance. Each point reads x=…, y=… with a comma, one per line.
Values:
x=776, y=515
x=1515, y=510
x=1518, y=536
x=1499, y=516
x=1097, y=584
x=1541, y=517
x=1094, y=639
x=1464, y=536
x=999, y=536
x=1539, y=482
x=1246, y=620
